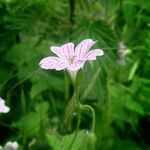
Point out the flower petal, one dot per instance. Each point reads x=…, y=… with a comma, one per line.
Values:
x=91, y=55
x=52, y=63
x=83, y=47
x=3, y=107
x=58, y=51
x=68, y=50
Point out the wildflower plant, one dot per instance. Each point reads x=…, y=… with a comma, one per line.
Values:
x=73, y=59
x=70, y=58
x=116, y=87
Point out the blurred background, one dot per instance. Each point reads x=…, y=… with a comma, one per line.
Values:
x=118, y=86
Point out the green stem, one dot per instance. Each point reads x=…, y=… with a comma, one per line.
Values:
x=77, y=130
x=80, y=107
x=76, y=93
x=83, y=107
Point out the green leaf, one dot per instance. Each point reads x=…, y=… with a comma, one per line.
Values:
x=134, y=106
x=19, y=53
x=129, y=12
x=42, y=108
x=44, y=82
x=63, y=143
x=125, y=145
x=28, y=124
x=133, y=69
x=91, y=84
x=4, y=74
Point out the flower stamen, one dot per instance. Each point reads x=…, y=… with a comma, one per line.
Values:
x=72, y=60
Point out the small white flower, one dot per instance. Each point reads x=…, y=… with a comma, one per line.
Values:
x=1, y=148
x=122, y=49
x=3, y=107
x=11, y=146
x=122, y=52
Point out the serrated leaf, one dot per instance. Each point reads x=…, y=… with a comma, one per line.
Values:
x=29, y=124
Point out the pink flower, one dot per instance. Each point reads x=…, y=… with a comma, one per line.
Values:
x=3, y=107
x=71, y=58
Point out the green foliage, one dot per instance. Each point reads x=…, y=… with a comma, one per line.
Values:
x=30, y=124
x=44, y=82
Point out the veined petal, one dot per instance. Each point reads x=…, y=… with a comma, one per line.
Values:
x=83, y=47
x=91, y=55
x=68, y=50
x=58, y=51
x=52, y=63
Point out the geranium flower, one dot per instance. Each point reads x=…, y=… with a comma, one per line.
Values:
x=71, y=58
x=3, y=107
